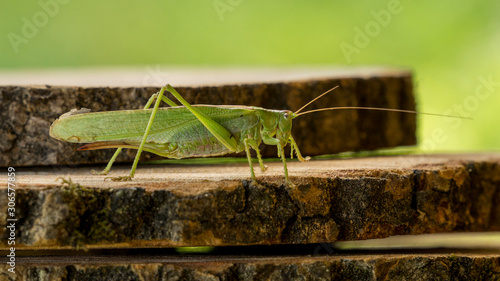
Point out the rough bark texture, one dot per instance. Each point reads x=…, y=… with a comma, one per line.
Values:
x=28, y=111
x=374, y=267
x=214, y=205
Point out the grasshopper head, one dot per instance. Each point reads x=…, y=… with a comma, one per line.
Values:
x=284, y=126
x=285, y=120
x=276, y=123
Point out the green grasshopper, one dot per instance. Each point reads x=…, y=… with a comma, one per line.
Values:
x=186, y=131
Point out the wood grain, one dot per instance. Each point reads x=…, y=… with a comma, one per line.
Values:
x=216, y=205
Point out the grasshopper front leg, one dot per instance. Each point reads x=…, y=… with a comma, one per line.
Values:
x=295, y=148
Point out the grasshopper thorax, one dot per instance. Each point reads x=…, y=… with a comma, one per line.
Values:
x=276, y=123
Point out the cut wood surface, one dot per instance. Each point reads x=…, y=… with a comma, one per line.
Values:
x=457, y=266
x=216, y=205
x=28, y=111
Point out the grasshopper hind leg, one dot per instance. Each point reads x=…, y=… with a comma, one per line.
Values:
x=110, y=164
x=159, y=95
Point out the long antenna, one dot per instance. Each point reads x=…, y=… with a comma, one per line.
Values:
x=316, y=99
x=381, y=109
x=368, y=108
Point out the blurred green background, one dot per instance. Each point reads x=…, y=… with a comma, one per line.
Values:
x=452, y=46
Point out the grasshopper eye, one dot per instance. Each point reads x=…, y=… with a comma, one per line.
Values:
x=286, y=115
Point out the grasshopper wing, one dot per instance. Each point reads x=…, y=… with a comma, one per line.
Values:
x=173, y=126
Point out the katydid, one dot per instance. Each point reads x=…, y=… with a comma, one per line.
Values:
x=187, y=130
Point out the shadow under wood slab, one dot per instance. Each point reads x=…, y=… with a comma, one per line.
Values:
x=28, y=111
x=215, y=205
x=337, y=267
